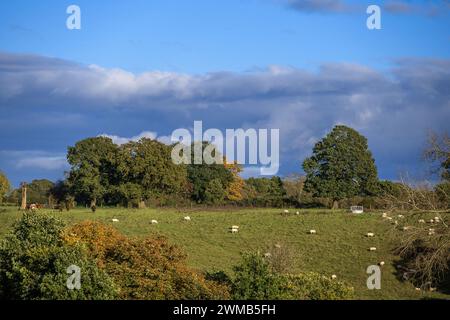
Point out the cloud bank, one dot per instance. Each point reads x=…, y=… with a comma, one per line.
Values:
x=393, y=108
x=425, y=7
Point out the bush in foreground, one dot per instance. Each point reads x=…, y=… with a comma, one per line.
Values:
x=34, y=259
x=255, y=279
x=148, y=268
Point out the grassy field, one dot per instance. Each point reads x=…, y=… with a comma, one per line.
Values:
x=340, y=246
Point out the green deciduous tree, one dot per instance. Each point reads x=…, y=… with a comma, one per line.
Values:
x=147, y=170
x=341, y=166
x=214, y=192
x=92, y=163
x=37, y=192
x=201, y=175
x=4, y=186
x=264, y=191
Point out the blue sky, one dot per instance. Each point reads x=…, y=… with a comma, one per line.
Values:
x=301, y=66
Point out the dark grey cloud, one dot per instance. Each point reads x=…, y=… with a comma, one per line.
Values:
x=426, y=7
x=49, y=103
x=319, y=5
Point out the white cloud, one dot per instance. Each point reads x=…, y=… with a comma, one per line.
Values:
x=36, y=159
x=46, y=163
x=144, y=134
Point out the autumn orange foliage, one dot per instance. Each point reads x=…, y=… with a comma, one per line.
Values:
x=234, y=190
x=149, y=268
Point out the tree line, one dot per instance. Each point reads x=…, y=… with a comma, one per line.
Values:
x=340, y=172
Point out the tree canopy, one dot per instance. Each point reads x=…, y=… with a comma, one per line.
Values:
x=341, y=166
x=4, y=186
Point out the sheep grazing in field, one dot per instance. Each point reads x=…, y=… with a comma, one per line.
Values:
x=417, y=289
x=431, y=232
x=333, y=276
x=381, y=263
x=187, y=218
x=372, y=249
x=297, y=213
x=406, y=228
x=115, y=220
x=267, y=255
x=401, y=216
x=432, y=289
x=384, y=215
x=154, y=222
x=389, y=218
x=421, y=221
x=431, y=221
x=437, y=219
x=234, y=229
x=370, y=234
x=312, y=231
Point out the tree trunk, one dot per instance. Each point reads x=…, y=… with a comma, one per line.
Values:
x=335, y=205
x=141, y=204
x=23, y=204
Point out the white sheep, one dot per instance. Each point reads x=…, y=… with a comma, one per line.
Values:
x=115, y=220
x=417, y=289
x=370, y=234
x=154, y=222
x=312, y=231
x=234, y=227
x=234, y=230
x=431, y=220
x=187, y=218
x=297, y=213
x=384, y=215
x=286, y=211
x=267, y=255
x=389, y=218
x=372, y=249
x=421, y=221
x=381, y=263
x=333, y=276
x=401, y=216
x=406, y=228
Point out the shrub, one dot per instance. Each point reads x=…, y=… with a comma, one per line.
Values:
x=255, y=279
x=314, y=286
x=148, y=268
x=34, y=261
